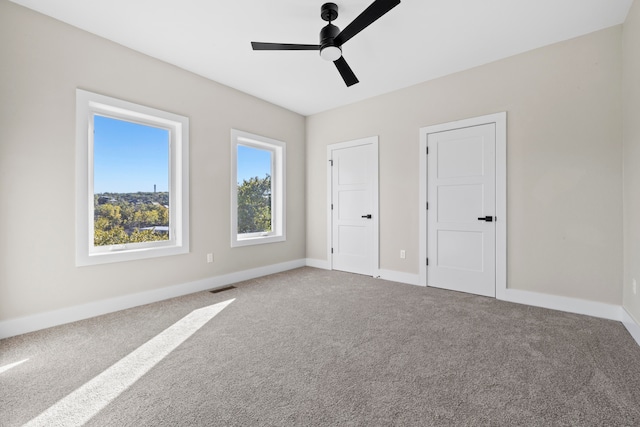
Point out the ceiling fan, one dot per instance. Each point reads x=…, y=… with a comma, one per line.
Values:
x=332, y=39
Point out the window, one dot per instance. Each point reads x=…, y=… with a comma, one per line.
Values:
x=132, y=185
x=257, y=189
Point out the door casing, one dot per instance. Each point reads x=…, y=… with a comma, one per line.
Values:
x=373, y=140
x=500, y=121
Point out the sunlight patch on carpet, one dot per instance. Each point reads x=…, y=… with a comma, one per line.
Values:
x=81, y=405
x=11, y=365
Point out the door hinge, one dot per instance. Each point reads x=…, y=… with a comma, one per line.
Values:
x=331, y=206
x=427, y=261
x=331, y=162
x=427, y=150
x=427, y=205
x=331, y=250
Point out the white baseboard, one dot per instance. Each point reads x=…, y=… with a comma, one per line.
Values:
x=23, y=325
x=632, y=326
x=390, y=275
x=553, y=302
x=13, y=327
x=566, y=304
x=318, y=263
x=398, y=276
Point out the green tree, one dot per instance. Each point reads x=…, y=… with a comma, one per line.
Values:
x=109, y=212
x=164, y=215
x=127, y=211
x=146, y=218
x=119, y=221
x=140, y=236
x=254, y=205
x=106, y=233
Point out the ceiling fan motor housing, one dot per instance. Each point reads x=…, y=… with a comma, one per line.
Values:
x=327, y=35
x=328, y=48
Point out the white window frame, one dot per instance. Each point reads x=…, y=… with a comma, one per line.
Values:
x=88, y=105
x=278, y=228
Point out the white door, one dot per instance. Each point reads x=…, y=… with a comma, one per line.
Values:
x=461, y=216
x=354, y=210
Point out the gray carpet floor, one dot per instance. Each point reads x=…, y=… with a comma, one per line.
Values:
x=314, y=347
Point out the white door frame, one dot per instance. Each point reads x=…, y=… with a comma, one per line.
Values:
x=500, y=120
x=375, y=253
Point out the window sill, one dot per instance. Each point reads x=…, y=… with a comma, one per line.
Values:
x=128, y=255
x=257, y=240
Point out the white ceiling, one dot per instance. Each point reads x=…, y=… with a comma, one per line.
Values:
x=418, y=40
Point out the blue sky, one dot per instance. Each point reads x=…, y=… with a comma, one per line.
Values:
x=253, y=162
x=129, y=157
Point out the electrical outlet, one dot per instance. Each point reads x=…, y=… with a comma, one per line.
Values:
x=635, y=287
x=209, y=258
x=403, y=254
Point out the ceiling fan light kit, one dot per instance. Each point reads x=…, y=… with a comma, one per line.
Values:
x=332, y=39
x=330, y=53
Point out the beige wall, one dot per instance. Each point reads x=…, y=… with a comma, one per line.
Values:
x=42, y=63
x=564, y=162
x=631, y=141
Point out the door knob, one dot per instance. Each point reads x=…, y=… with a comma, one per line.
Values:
x=367, y=216
x=486, y=218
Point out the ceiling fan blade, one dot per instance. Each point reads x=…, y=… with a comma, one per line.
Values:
x=283, y=46
x=371, y=14
x=345, y=71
